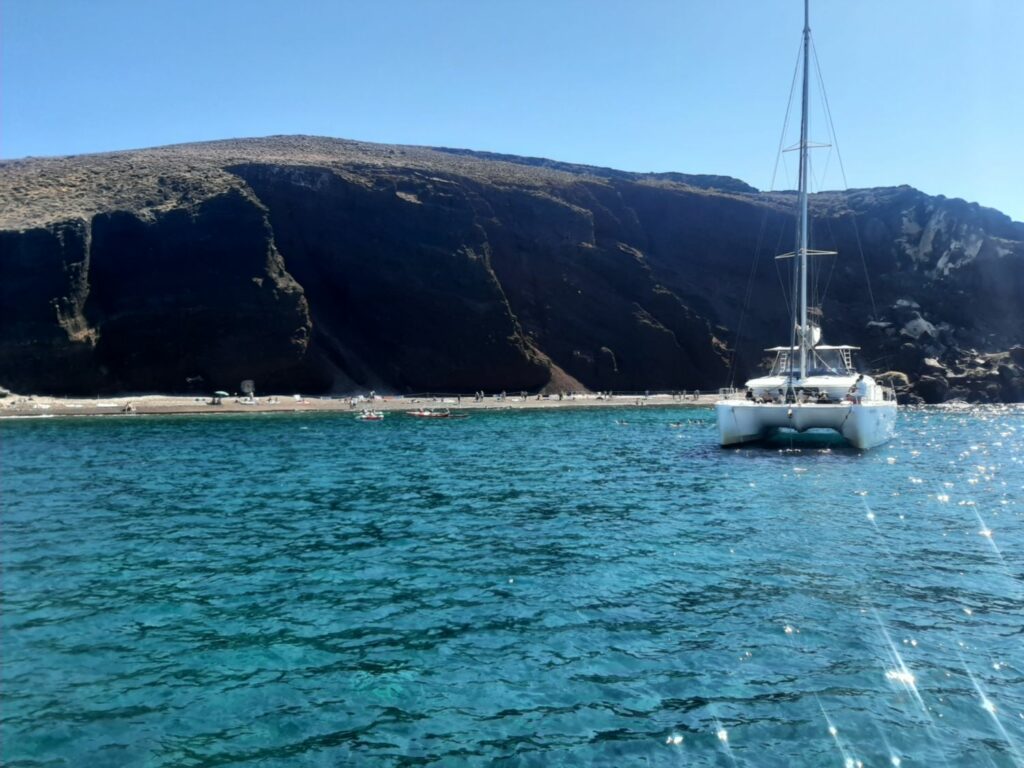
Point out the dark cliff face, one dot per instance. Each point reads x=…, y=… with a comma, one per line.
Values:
x=128, y=303
x=399, y=282
x=324, y=265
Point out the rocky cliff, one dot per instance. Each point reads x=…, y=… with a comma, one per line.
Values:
x=326, y=265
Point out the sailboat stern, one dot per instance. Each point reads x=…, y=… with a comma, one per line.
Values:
x=863, y=425
x=740, y=422
x=870, y=424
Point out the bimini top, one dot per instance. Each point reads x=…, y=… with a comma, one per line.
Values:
x=819, y=348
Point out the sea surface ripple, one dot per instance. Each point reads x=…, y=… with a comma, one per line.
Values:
x=579, y=587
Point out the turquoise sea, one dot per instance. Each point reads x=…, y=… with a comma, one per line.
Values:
x=583, y=587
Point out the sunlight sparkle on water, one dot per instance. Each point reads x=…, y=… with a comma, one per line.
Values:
x=646, y=580
x=904, y=676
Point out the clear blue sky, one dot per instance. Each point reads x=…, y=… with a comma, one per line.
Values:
x=923, y=92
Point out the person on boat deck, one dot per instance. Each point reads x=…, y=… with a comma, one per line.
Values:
x=862, y=388
x=858, y=390
x=750, y=394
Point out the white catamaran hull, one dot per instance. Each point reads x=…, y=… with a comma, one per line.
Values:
x=862, y=425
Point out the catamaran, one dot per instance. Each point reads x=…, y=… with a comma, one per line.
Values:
x=811, y=385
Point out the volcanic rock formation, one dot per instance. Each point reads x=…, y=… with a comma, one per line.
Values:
x=323, y=265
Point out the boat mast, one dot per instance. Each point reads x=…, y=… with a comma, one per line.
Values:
x=801, y=225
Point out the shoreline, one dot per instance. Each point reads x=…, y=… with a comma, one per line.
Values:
x=36, y=406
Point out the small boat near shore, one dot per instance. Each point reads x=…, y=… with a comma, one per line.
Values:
x=368, y=415
x=427, y=413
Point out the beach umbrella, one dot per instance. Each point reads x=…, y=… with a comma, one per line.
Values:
x=221, y=393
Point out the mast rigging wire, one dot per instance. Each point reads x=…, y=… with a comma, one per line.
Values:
x=846, y=185
x=764, y=221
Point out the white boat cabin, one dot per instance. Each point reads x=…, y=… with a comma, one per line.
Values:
x=831, y=377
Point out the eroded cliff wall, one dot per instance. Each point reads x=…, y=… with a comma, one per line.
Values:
x=324, y=265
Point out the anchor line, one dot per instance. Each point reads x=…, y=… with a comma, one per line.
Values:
x=848, y=413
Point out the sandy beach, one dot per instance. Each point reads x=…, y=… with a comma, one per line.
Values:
x=41, y=406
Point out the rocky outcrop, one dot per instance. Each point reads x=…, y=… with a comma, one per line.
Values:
x=325, y=265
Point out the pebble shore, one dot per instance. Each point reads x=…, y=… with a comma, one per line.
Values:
x=28, y=406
